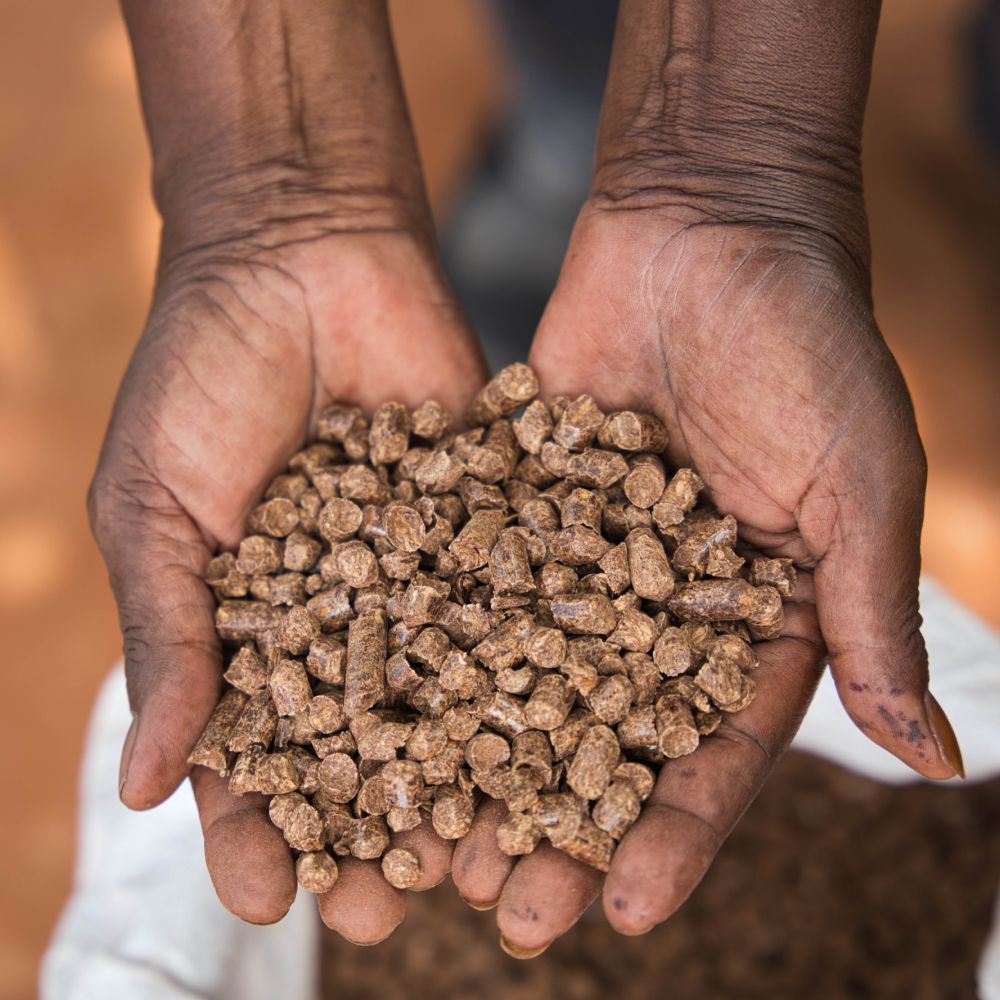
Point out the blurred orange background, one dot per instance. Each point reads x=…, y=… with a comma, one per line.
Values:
x=78, y=237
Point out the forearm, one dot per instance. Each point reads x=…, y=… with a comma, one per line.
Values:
x=747, y=106
x=291, y=106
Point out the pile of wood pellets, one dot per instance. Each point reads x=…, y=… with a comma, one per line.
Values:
x=533, y=610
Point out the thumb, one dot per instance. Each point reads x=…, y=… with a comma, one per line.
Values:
x=868, y=605
x=155, y=556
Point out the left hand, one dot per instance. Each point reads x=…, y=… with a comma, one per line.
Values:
x=757, y=348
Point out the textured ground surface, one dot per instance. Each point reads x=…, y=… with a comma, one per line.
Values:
x=831, y=887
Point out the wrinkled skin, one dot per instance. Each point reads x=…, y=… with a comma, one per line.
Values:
x=755, y=346
x=758, y=350
x=245, y=344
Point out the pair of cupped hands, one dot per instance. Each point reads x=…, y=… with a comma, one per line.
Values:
x=755, y=345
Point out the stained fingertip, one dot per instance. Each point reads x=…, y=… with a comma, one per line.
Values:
x=545, y=895
x=647, y=884
x=250, y=866
x=902, y=720
x=362, y=907
x=479, y=868
x=434, y=854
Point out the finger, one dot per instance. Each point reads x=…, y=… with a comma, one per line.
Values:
x=248, y=860
x=433, y=851
x=362, y=907
x=546, y=893
x=867, y=596
x=698, y=799
x=479, y=868
x=155, y=557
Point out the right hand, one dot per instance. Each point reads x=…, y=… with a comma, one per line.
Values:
x=249, y=337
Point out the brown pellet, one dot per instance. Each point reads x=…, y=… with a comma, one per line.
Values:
x=259, y=554
x=210, y=750
x=403, y=782
x=584, y=614
x=338, y=777
x=316, y=871
x=617, y=809
x=518, y=834
x=401, y=868
x=430, y=421
x=649, y=569
x=510, y=388
x=676, y=732
x=590, y=771
x=452, y=814
x=339, y=519
x=289, y=685
x=369, y=837
x=404, y=527
x=631, y=431
x=278, y=517
x=534, y=609
x=533, y=427
x=389, y=434
x=364, y=675
x=487, y=751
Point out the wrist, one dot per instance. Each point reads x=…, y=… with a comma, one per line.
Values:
x=273, y=121
x=277, y=204
x=745, y=111
x=741, y=169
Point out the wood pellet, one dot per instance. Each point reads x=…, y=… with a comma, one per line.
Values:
x=535, y=609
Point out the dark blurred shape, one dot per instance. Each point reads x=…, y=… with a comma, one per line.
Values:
x=504, y=244
x=832, y=886
x=984, y=69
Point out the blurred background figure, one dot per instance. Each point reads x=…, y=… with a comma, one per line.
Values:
x=833, y=885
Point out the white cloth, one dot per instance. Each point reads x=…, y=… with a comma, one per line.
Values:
x=143, y=920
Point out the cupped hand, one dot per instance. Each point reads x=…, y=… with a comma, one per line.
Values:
x=757, y=348
x=248, y=339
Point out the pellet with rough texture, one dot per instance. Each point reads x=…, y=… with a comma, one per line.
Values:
x=452, y=815
x=430, y=420
x=596, y=758
x=535, y=610
x=389, y=434
x=676, y=732
x=316, y=871
x=401, y=868
x=364, y=673
x=338, y=777
x=617, y=809
x=518, y=834
x=210, y=750
x=510, y=388
x=649, y=569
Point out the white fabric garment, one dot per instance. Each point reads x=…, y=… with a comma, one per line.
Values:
x=143, y=920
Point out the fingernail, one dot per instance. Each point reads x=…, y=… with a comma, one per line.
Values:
x=482, y=906
x=515, y=952
x=127, y=754
x=944, y=735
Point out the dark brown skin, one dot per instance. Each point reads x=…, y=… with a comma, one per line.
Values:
x=718, y=276
x=292, y=273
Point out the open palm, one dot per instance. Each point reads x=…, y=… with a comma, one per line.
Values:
x=758, y=350
x=241, y=351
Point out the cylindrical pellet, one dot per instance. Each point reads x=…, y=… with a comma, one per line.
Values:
x=364, y=680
